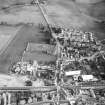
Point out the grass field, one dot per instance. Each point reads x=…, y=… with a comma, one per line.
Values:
x=38, y=56
x=15, y=49
x=6, y=33
x=65, y=13
x=86, y=17
x=21, y=14
x=61, y=12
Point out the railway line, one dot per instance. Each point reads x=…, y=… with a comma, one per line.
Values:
x=95, y=86
x=29, y=88
x=51, y=88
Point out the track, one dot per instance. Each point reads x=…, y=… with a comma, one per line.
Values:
x=45, y=17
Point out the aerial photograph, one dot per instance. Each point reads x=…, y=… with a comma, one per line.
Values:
x=52, y=52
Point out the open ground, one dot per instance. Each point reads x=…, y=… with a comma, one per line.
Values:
x=64, y=13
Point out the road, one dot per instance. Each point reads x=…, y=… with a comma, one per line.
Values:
x=16, y=47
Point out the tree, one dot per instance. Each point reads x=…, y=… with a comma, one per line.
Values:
x=28, y=83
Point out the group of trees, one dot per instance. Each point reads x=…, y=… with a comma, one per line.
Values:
x=98, y=67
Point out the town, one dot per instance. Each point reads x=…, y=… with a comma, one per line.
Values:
x=72, y=75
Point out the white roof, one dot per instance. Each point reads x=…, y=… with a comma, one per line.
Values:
x=69, y=73
x=10, y=81
x=87, y=77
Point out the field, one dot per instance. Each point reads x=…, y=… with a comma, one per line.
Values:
x=64, y=13
x=21, y=14
x=87, y=17
x=6, y=34
x=16, y=47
